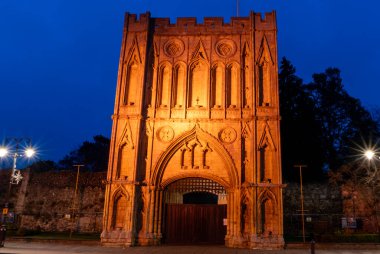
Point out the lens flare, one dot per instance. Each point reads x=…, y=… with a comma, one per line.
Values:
x=3, y=151
x=29, y=152
x=369, y=154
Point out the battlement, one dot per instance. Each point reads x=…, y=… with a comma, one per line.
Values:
x=211, y=22
x=133, y=19
x=188, y=24
x=266, y=21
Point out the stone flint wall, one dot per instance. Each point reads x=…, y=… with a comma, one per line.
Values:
x=45, y=199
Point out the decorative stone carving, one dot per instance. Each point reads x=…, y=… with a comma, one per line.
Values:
x=174, y=48
x=227, y=135
x=225, y=48
x=165, y=134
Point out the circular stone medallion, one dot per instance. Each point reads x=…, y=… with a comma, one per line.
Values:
x=227, y=135
x=174, y=48
x=225, y=48
x=165, y=134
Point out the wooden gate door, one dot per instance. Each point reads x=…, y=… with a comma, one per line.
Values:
x=195, y=224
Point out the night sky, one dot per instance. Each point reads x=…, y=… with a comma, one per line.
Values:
x=59, y=58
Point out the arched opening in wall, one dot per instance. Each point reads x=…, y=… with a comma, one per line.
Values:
x=217, y=86
x=232, y=86
x=195, y=212
x=165, y=84
x=266, y=227
x=119, y=212
x=265, y=160
x=199, y=76
x=124, y=159
x=179, y=86
x=131, y=84
x=264, y=84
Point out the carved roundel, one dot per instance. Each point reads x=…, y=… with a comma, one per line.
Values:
x=225, y=48
x=165, y=134
x=174, y=48
x=227, y=135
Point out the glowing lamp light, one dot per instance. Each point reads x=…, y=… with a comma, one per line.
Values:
x=369, y=154
x=3, y=151
x=29, y=152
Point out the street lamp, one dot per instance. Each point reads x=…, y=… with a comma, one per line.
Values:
x=369, y=154
x=15, y=176
x=373, y=178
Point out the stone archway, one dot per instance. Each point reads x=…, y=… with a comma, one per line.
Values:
x=195, y=212
x=215, y=166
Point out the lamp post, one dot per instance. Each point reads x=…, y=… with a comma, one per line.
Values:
x=75, y=196
x=15, y=176
x=302, y=210
x=373, y=180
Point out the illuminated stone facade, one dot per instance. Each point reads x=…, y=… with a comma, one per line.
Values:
x=196, y=101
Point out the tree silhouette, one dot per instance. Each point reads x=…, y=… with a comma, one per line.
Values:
x=321, y=123
x=94, y=155
x=300, y=132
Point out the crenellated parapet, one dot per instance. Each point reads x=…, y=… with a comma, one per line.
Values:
x=190, y=25
x=266, y=21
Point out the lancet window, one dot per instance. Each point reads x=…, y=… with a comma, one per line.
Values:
x=217, y=86
x=131, y=83
x=266, y=217
x=119, y=212
x=124, y=162
x=264, y=84
x=179, y=85
x=265, y=163
x=165, y=84
x=232, y=85
x=198, y=84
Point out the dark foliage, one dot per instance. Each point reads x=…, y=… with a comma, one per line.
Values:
x=321, y=123
x=344, y=121
x=93, y=155
x=300, y=132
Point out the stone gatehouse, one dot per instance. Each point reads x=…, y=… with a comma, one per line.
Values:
x=195, y=145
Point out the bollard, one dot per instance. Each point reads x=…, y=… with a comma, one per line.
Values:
x=312, y=246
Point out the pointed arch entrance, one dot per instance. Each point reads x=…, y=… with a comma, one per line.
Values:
x=195, y=212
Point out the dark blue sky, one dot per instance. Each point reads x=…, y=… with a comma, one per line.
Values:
x=59, y=58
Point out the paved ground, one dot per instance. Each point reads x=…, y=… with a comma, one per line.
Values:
x=60, y=248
